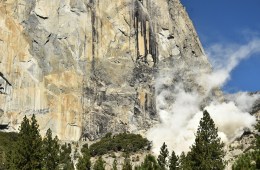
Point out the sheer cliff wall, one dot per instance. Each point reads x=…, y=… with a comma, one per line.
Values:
x=88, y=67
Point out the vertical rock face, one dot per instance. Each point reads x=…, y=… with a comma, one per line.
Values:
x=88, y=67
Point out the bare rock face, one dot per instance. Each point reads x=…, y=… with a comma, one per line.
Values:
x=88, y=67
x=246, y=142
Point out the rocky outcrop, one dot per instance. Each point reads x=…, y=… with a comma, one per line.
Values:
x=246, y=142
x=88, y=67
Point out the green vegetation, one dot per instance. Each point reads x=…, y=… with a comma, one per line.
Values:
x=65, y=158
x=162, y=158
x=7, y=142
x=27, y=153
x=207, y=152
x=149, y=163
x=250, y=160
x=121, y=142
x=247, y=161
x=27, y=150
x=99, y=164
x=84, y=161
x=173, y=162
x=184, y=162
x=50, y=151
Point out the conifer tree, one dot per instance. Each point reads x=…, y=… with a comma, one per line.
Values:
x=50, y=151
x=65, y=158
x=22, y=148
x=207, y=152
x=99, y=164
x=28, y=150
x=149, y=163
x=162, y=158
x=173, y=162
x=84, y=161
x=36, y=144
x=184, y=162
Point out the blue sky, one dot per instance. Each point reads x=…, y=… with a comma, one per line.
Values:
x=230, y=22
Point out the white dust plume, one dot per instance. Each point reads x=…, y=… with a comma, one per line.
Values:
x=180, y=109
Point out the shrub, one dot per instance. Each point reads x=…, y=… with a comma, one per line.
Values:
x=121, y=142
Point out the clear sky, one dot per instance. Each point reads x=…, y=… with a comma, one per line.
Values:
x=230, y=22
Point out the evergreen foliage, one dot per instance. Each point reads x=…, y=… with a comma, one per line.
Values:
x=99, y=164
x=207, y=152
x=121, y=142
x=246, y=161
x=162, y=158
x=7, y=143
x=149, y=163
x=173, y=162
x=257, y=148
x=27, y=153
x=36, y=144
x=50, y=151
x=65, y=158
x=250, y=160
x=184, y=162
x=84, y=161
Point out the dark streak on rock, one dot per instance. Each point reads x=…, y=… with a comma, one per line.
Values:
x=126, y=21
x=48, y=39
x=94, y=32
x=123, y=32
x=141, y=19
x=165, y=29
x=2, y=75
x=60, y=38
x=35, y=41
x=170, y=37
x=42, y=17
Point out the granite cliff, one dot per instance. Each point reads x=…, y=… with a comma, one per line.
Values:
x=88, y=67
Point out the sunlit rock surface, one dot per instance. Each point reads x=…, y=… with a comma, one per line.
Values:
x=88, y=67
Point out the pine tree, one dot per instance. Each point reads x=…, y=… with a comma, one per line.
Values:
x=184, y=162
x=173, y=162
x=149, y=163
x=99, y=164
x=84, y=161
x=207, y=152
x=21, y=151
x=162, y=158
x=50, y=151
x=27, y=153
x=65, y=158
x=36, y=144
